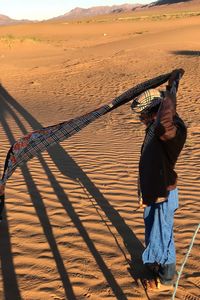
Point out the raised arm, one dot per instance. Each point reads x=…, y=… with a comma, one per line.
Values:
x=165, y=128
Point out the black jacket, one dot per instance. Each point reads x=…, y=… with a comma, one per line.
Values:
x=164, y=140
x=157, y=162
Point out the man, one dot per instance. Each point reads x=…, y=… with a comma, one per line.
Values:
x=164, y=140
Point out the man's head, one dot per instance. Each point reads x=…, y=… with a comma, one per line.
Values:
x=147, y=105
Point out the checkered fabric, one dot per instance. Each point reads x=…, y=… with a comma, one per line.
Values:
x=34, y=143
x=147, y=100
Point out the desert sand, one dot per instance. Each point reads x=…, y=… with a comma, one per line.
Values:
x=72, y=228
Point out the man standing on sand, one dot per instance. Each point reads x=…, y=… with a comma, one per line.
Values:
x=164, y=140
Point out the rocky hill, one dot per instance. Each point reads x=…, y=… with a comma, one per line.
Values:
x=5, y=20
x=168, y=2
x=79, y=12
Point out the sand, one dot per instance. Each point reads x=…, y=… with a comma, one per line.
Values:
x=72, y=228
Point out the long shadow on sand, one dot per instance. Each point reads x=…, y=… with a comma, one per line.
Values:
x=69, y=168
x=10, y=284
x=186, y=52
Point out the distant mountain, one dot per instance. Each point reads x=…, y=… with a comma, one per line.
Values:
x=79, y=12
x=164, y=2
x=5, y=20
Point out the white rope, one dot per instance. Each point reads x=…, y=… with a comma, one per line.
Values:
x=184, y=262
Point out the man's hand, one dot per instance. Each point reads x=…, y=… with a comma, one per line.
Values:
x=173, y=81
x=175, y=76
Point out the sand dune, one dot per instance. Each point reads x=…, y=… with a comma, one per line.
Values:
x=71, y=223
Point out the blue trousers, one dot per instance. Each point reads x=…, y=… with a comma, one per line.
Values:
x=159, y=240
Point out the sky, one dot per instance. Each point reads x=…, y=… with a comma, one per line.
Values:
x=45, y=9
